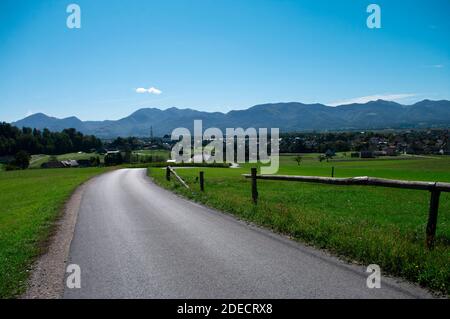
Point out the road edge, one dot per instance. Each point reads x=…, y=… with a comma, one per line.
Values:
x=48, y=271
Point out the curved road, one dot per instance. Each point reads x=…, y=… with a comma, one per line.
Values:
x=135, y=240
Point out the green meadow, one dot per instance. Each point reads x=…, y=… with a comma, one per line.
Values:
x=31, y=201
x=162, y=153
x=37, y=160
x=369, y=225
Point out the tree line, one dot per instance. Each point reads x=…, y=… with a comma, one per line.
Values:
x=34, y=141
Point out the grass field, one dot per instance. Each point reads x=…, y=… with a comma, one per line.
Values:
x=31, y=201
x=163, y=153
x=365, y=224
x=37, y=160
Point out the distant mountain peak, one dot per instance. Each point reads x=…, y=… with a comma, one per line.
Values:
x=72, y=118
x=288, y=116
x=36, y=115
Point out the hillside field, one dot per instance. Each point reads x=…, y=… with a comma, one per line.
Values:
x=37, y=160
x=369, y=225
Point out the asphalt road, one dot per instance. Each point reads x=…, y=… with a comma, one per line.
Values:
x=135, y=240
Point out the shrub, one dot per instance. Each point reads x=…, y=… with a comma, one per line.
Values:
x=21, y=160
x=10, y=167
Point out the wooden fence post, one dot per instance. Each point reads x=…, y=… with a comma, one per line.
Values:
x=435, y=189
x=168, y=173
x=254, y=186
x=332, y=171
x=202, y=181
x=432, y=218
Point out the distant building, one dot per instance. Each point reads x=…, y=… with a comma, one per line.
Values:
x=70, y=163
x=60, y=164
x=391, y=151
x=379, y=153
x=367, y=154
x=53, y=164
x=112, y=152
x=445, y=150
x=84, y=163
x=167, y=139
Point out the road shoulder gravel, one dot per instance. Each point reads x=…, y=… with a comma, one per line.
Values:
x=48, y=271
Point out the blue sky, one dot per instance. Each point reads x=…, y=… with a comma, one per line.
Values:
x=217, y=55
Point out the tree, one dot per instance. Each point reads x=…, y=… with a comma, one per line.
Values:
x=22, y=160
x=128, y=156
x=298, y=159
x=329, y=154
x=95, y=161
x=113, y=159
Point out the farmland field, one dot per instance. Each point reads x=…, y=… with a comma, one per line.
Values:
x=37, y=160
x=156, y=152
x=31, y=201
x=383, y=226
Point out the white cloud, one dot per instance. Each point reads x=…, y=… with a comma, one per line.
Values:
x=365, y=99
x=141, y=90
x=151, y=90
x=437, y=66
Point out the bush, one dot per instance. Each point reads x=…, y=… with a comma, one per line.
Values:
x=113, y=159
x=21, y=161
x=95, y=161
x=11, y=167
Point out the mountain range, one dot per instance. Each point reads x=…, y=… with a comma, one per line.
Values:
x=288, y=117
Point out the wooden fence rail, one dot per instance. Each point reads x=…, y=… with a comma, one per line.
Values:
x=435, y=188
x=170, y=170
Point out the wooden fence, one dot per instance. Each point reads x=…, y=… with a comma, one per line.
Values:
x=435, y=189
x=170, y=170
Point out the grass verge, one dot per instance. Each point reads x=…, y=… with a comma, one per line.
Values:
x=31, y=202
